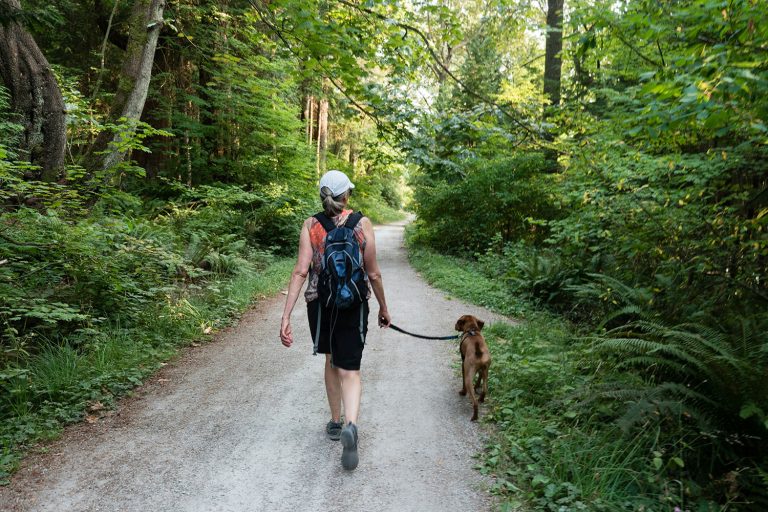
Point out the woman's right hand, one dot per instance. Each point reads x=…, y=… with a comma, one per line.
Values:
x=384, y=318
x=286, y=333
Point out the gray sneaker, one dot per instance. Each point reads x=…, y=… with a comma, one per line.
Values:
x=333, y=429
x=349, y=457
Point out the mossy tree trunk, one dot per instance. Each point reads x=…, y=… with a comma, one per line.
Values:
x=145, y=24
x=35, y=95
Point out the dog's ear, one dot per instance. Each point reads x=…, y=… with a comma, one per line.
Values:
x=480, y=324
x=460, y=324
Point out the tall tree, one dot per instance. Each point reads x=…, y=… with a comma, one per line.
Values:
x=35, y=94
x=145, y=24
x=322, y=134
x=553, y=62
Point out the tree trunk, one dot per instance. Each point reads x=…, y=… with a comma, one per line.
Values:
x=311, y=120
x=35, y=96
x=554, y=47
x=317, y=132
x=322, y=134
x=306, y=117
x=159, y=109
x=145, y=25
x=352, y=155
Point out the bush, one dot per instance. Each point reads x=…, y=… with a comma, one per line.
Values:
x=713, y=382
x=498, y=196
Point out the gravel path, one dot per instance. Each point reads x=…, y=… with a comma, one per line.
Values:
x=237, y=424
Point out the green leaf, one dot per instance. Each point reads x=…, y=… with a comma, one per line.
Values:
x=749, y=410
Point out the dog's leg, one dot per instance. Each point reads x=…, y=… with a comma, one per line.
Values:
x=484, y=373
x=471, y=390
x=463, y=377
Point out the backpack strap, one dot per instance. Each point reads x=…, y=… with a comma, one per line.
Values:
x=328, y=224
x=353, y=219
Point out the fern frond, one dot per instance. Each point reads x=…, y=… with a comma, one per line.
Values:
x=683, y=392
x=631, y=310
x=650, y=361
x=645, y=346
x=668, y=399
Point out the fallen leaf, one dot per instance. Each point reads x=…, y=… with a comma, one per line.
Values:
x=91, y=419
x=95, y=406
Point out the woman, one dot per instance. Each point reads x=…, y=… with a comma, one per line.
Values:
x=339, y=334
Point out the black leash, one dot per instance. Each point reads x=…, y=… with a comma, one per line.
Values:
x=393, y=326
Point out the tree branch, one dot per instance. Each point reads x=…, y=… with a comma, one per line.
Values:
x=531, y=61
x=737, y=44
x=661, y=54
x=441, y=65
x=281, y=35
x=119, y=40
x=104, y=50
x=635, y=50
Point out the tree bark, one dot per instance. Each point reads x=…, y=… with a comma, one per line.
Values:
x=145, y=25
x=322, y=134
x=306, y=117
x=552, y=54
x=352, y=155
x=311, y=121
x=35, y=96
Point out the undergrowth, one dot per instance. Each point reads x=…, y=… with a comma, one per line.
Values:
x=463, y=279
x=84, y=374
x=92, y=306
x=561, y=438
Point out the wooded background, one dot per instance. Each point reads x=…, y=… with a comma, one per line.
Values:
x=601, y=163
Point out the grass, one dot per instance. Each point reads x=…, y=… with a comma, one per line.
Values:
x=464, y=280
x=72, y=378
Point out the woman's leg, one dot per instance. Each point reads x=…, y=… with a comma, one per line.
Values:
x=351, y=390
x=333, y=389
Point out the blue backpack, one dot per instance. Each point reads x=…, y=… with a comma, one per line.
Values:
x=342, y=278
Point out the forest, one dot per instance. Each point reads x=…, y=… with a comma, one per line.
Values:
x=596, y=169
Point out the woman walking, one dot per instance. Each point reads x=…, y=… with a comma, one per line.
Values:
x=337, y=333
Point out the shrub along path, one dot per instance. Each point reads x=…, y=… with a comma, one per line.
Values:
x=237, y=424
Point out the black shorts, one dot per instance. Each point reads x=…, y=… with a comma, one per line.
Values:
x=342, y=333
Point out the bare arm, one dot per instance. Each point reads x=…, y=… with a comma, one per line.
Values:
x=374, y=272
x=298, y=277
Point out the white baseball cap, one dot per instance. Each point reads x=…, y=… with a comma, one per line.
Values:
x=336, y=181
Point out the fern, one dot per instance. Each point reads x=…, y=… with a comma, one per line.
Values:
x=714, y=375
x=649, y=362
x=197, y=250
x=607, y=288
x=629, y=311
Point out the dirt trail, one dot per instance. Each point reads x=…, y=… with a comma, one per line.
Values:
x=237, y=424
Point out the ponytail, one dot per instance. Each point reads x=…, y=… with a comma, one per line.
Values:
x=332, y=206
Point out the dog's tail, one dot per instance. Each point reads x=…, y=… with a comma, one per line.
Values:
x=478, y=349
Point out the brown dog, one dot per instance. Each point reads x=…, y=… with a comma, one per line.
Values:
x=475, y=359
